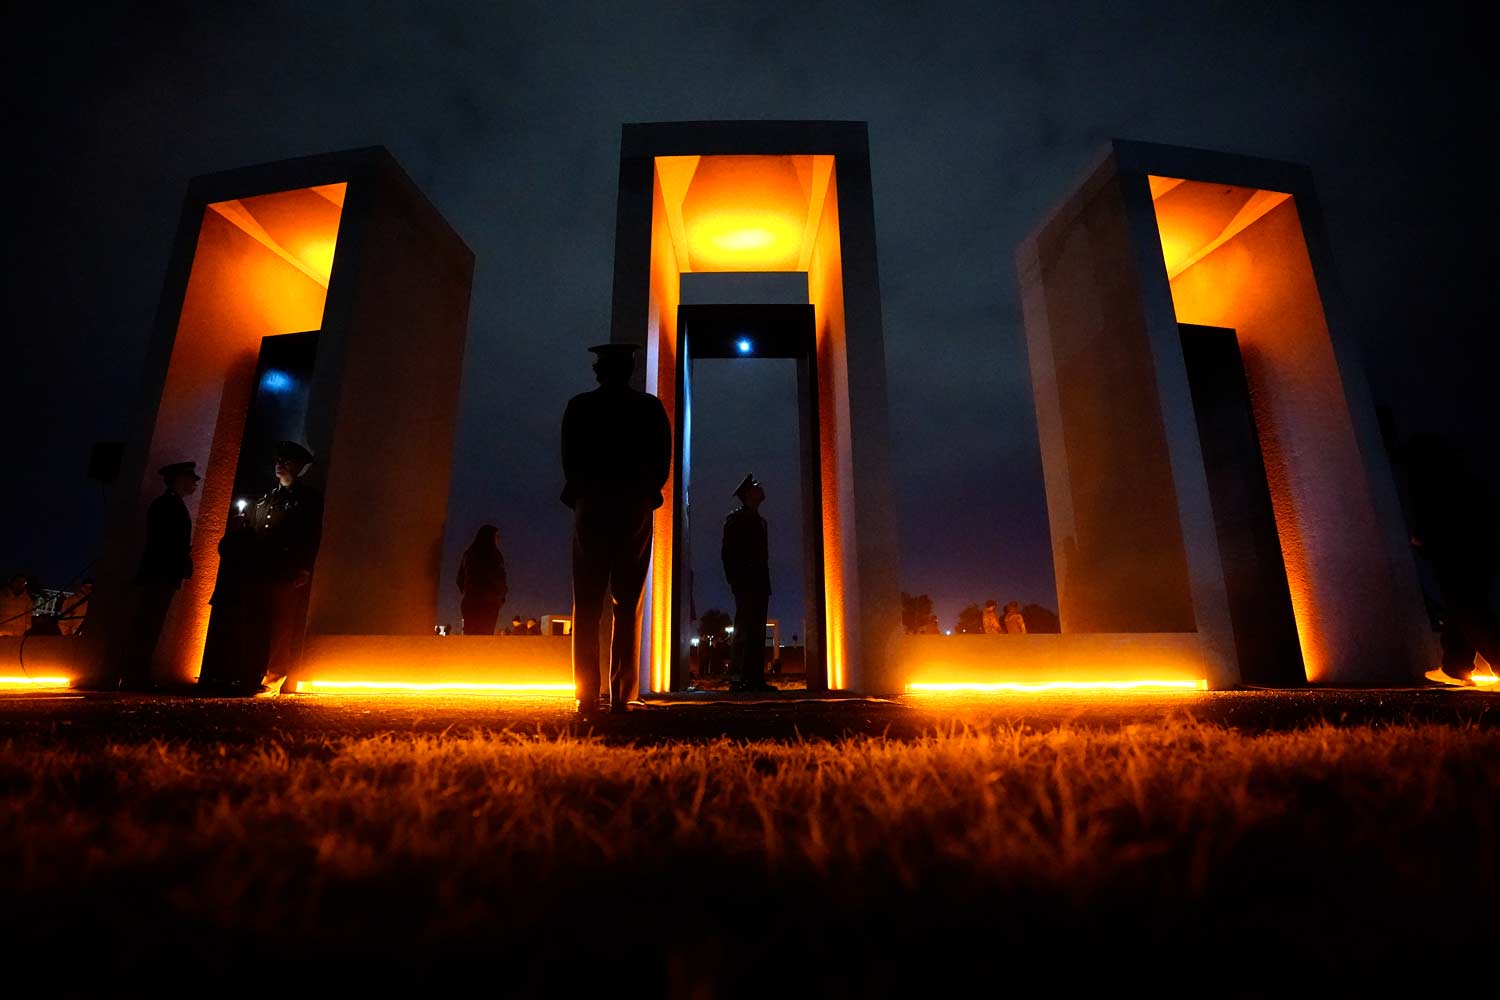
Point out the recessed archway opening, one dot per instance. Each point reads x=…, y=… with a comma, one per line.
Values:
x=747, y=402
x=751, y=213
x=260, y=270
x=1237, y=260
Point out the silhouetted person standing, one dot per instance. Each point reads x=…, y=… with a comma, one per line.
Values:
x=747, y=568
x=234, y=653
x=1454, y=527
x=288, y=524
x=991, y=619
x=166, y=561
x=16, y=605
x=481, y=581
x=617, y=453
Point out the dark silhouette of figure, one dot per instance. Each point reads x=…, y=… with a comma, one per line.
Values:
x=16, y=605
x=481, y=581
x=991, y=619
x=1454, y=528
x=746, y=556
x=288, y=526
x=533, y=627
x=617, y=453
x=1012, y=619
x=234, y=653
x=166, y=561
x=517, y=626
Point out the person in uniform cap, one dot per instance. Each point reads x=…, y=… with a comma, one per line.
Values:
x=746, y=557
x=166, y=561
x=288, y=525
x=616, y=455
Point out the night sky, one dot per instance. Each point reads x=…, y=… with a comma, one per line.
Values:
x=508, y=116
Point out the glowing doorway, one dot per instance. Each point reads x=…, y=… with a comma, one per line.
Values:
x=771, y=196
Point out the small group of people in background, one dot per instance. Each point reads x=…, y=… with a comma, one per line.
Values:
x=1006, y=621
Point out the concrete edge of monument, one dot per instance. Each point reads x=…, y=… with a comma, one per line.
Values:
x=1153, y=504
x=1210, y=450
x=812, y=210
x=344, y=251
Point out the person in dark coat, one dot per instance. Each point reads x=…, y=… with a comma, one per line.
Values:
x=481, y=581
x=616, y=455
x=1454, y=526
x=166, y=561
x=288, y=526
x=234, y=653
x=746, y=556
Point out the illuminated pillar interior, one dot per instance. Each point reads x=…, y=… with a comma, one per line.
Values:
x=260, y=267
x=1236, y=257
x=1155, y=243
x=751, y=213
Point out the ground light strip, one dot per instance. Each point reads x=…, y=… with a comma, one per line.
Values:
x=980, y=686
x=331, y=687
x=35, y=682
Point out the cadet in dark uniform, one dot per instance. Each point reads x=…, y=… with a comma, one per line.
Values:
x=288, y=525
x=234, y=654
x=166, y=561
x=617, y=453
x=747, y=567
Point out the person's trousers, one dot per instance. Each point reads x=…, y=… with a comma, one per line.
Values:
x=750, y=637
x=286, y=627
x=479, y=616
x=611, y=553
x=153, y=599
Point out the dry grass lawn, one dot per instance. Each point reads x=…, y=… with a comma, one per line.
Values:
x=847, y=869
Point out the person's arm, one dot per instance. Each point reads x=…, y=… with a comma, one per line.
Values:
x=661, y=446
x=731, y=552
x=571, y=457
x=183, y=540
x=309, y=535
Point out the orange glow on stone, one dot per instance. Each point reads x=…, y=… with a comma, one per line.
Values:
x=261, y=267
x=1237, y=258
x=747, y=213
x=34, y=683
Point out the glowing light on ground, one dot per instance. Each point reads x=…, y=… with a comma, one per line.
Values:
x=421, y=687
x=940, y=687
x=33, y=683
x=1477, y=679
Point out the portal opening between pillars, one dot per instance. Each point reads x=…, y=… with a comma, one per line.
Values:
x=750, y=332
x=763, y=197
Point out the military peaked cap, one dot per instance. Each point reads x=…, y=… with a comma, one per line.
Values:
x=293, y=452
x=179, y=468
x=747, y=483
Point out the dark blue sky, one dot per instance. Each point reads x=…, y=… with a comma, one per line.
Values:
x=508, y=115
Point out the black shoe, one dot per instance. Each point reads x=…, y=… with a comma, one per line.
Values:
x=589, y=709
